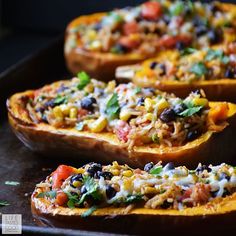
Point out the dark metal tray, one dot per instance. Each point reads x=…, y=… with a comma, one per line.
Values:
x=17, y=163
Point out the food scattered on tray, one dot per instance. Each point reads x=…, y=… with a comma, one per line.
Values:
x=129, y=122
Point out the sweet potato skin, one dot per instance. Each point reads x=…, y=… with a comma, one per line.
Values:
x=141, y=221
x=209, y=148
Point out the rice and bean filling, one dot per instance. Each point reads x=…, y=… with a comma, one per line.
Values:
x=154, y=25
x=155, y=187
x=190, y=65
x=137, y=116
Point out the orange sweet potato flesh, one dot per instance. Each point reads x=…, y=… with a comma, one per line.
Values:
x=210, y=147
x=97, y=64
x=216, y=216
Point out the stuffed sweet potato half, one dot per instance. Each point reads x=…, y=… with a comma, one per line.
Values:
x=121, y=199
x=100, y=42
x=83, y=116
x=212, y=69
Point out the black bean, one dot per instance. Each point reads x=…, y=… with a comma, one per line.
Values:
x=201, y=168
x=78, y=177
x=62, y=88
x=140, y=101
x=105, y=174
x=215, y=35
x=201, y=30
x=94, y=168
x=166, y=19
x=44, y=118
x=169, y=166
x=198, y=92
x=192, y=134
x=110, y=191
x=166, y=205
x=197, y=21
x=83, y=190
x=87, y=103
x=230, y=73
x=40, y=109
x=148, y=166
x=50, y=103
x=224, y=176
x=97, y=26
x=118, y=48
x=180, y=46
x=178, y=108
x=168, y=115
x=163, y=69
x=153, y=65
x=214, y=8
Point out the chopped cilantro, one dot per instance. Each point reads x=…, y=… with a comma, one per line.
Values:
x=89, y=211
x=60, y=100
x=156, y=170
x=199, y=69
x=155, y=138
x=50, y=194
x=137, y=90
x=84, y=79
x=112, y=107
x=187, y=51
x=12, y=183
x=190, y=111
x=4, y=203
x=79, y=126
x=214, y=54
x=177, y=8
x=133, y=198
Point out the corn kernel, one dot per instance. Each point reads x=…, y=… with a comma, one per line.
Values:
x=76, y=184
x=125, y=114
x=162, y=104
x=111, y=86
x=65, y=109
x=95, y=45
x=127, y=173
x=80, y=171
x=91, y=35
x=89, y=88
x=98, y=125
x=73, y=112
x=127, y=184
x=200, y=101
x=115, y=172
x=57, y=112
x=149, y=116
x=149, y=190
x=148, y=103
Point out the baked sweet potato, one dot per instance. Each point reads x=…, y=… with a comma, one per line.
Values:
x=134, y=216
x=100, y=42
x=211, y=70
x=213, y=137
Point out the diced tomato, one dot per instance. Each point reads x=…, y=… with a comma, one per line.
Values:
x=218, y=112
x=170, y=41
x=151, y=10
x=200, y=193
x=129, y=42
x=122, y=131
x=130, y=28
x=61, y=198
x=187, y=193
x=82, y=112
x=232, y=48
x=60, y=174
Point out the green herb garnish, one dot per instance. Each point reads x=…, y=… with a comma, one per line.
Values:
x=60, y=100
x=12, y=183
x=214, y=54
x=133, y=198
x=79, y=126
x=50, y=194
x=177, y=8
x=199, y=69
x=112, y=107
x=187, y=51
x=4, y=203
x=92, y=189
x=156, y=170
x=190, y=111
x=137, y=90
x=84, y=79
x=155, y=138
x=89, y=211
